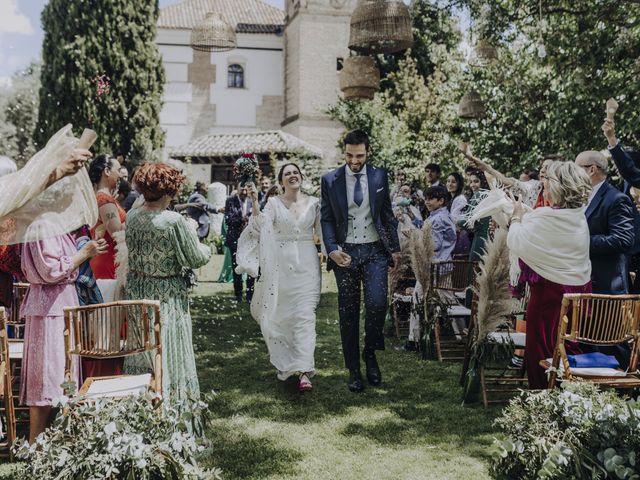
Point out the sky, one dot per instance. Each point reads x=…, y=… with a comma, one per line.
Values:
x=21, y=33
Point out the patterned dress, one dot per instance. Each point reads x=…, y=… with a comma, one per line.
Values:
x=161, y=244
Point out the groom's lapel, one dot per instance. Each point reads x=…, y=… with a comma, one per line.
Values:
x=341, y=191
x=372, y=184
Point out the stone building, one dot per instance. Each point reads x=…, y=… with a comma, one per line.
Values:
x=282, y=75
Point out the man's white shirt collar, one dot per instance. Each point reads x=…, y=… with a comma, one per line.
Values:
x=350, y=173
x=594, y=190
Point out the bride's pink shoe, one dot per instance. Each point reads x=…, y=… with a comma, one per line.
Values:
x=304, y=384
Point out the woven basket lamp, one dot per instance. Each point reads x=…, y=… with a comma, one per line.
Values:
x=471, y=106
x=380, y=26
x=213, y=34
x=485, y=53
x=359, y=78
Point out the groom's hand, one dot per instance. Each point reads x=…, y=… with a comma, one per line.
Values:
x=340, y=258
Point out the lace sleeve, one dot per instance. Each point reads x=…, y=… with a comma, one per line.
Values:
x=248, y=253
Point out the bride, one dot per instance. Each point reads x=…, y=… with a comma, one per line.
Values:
x=279, y=244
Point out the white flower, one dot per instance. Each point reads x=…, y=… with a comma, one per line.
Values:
x=110, y=428
x=542, y=51
x=61, y=401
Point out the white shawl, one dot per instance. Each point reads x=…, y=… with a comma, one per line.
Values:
x=554, y=243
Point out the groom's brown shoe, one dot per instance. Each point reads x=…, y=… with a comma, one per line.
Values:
x=355, y=381
x=373, y=370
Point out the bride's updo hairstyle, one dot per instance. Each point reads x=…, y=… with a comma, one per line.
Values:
x=155, y=180
x=569, y=185
x=281, y=172
x=97, y=166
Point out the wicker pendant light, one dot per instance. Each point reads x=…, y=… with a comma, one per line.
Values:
x=359, y=78
x=380, y=26
x=213, y=34
x=485, y=53
x=471, y=106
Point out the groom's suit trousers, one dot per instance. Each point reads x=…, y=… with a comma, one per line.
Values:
x=368, y=271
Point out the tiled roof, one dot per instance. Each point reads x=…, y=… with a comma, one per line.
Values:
x=234, y=144
x=189, y=13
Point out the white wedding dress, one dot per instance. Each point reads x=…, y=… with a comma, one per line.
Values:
x=280, y=247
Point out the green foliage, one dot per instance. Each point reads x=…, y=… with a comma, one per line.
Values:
x=123, y=438
x=554, y=102
x=86, y=40
x=575, y=432
x=18, y=115
x=411, y=121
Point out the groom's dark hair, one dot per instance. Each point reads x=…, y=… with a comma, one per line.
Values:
x=356, y=137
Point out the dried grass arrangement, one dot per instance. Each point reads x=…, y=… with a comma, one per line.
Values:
x=494, y=307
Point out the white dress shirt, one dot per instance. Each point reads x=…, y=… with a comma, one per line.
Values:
x=360, y=228
x=594, y=190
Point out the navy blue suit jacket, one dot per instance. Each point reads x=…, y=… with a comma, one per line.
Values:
x=334, y=210
x=235, y=220
x=610, y=216
x=630, y=172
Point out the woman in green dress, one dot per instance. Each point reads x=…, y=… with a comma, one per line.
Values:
x=478, y=183
x=161, y=244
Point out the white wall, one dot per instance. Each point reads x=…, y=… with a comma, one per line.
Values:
x=235, y=109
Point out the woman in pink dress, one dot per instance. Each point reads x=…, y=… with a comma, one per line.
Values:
x=51, y=267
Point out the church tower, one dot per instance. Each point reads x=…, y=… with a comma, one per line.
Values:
x=316, y=38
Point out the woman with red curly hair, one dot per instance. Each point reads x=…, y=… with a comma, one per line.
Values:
x=161, y=243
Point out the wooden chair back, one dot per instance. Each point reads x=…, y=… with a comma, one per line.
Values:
x=19, y=292
x=452, y=275
x=599, y=320
x=6, y=391
x=113, y=330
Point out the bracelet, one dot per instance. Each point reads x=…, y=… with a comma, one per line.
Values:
x=516, y=219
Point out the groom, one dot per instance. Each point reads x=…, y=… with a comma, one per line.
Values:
x=360, y=235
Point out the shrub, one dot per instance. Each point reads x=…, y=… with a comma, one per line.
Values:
x=574, y=432
x=118, y=439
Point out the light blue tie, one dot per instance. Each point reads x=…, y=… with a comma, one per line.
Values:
x=357, y=191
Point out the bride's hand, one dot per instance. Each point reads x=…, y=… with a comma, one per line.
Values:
x=252, y=191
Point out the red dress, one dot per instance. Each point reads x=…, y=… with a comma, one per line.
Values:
x=543, y=318
x=104, y=267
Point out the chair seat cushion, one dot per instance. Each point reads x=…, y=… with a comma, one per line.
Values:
x=458, y=311
x=120, y=386
x=592, y=360
x=587, y=372
x=16, y=349
x=519, y=338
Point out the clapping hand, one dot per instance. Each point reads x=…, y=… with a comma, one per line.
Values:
x=518, y=208
x=252, y=191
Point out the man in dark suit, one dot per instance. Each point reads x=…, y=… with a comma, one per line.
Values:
x=237, y=210
x=360, y=236
x=610, y=215
x=199, y=209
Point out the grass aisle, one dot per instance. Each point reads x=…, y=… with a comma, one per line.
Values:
x=413, y=427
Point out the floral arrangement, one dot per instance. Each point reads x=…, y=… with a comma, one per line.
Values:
x=246, y=169
x=133, y=437
x=577, y=431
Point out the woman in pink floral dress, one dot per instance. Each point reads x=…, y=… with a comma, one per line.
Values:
x=51, y=267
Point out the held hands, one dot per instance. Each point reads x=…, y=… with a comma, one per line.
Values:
x=95, y=247
x=340, y=258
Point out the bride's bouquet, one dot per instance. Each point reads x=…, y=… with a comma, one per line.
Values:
x=246, y=169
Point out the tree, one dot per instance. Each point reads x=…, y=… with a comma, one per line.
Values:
x=557, y=67
x=18, y=115
x=102, y=69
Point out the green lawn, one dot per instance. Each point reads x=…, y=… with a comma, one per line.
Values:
x=414, y=427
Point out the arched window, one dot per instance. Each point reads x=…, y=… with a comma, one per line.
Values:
x=235, y=76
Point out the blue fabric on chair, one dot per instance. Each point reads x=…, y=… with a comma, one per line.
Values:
x=593, y=360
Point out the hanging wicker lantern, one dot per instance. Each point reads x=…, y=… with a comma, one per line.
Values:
x=213, y=34
x=485, y=53
x=471, y=106
x=359, y=78
x=380, y=26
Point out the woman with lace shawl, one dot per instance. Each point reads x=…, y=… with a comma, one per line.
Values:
x=279, y=244
x=552, y=248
